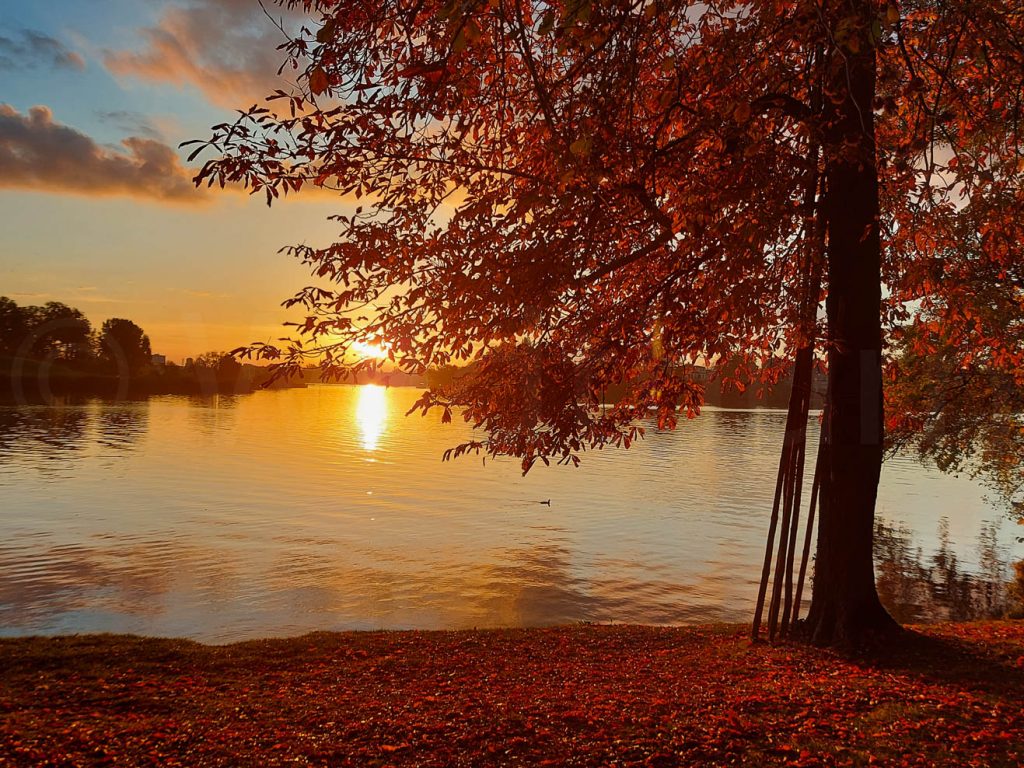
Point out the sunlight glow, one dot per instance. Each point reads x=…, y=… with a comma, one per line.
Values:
x=366, y=350
x=371, y=414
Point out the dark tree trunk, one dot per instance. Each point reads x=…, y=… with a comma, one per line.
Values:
x=845, y=608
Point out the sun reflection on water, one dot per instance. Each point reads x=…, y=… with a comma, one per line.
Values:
x=371, y=414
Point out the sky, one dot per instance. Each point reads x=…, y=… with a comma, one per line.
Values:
x=97, y=208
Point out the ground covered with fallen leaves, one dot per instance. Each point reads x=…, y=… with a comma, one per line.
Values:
x=573, y=696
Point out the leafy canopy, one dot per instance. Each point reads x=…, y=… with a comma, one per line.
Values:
x=574, y=196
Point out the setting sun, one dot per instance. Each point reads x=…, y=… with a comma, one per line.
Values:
x=367, y=350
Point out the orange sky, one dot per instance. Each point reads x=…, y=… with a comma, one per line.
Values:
x=96, y=204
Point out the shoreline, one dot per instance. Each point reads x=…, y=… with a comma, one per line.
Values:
x=569, y=695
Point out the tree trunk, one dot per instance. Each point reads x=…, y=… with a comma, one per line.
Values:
x=845, y=608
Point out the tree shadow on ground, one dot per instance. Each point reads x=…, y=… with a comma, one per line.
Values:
x=992, y=668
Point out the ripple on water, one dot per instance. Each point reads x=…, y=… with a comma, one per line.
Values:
x=325, y=508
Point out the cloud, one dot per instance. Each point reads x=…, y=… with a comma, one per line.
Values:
x=134, y=123
x=208, y=294
x=29, y=295
x=38, y=153
x=102, y=300
x=73, y=296
x=28, y=49
x=226, y=48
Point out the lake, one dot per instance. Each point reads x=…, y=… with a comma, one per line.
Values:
x=326, y=508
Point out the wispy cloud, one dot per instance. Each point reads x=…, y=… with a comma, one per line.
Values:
x=136, y=123
x=73, y=297
x=38, y=153
x=226, y=48
x=29, y=295
x=208, y=294
x=26, y=49
x=102, y=300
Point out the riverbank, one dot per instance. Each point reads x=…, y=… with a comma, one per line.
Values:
x=578, y=695
x=34, y=381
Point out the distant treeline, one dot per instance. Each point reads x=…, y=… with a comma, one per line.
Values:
x=719, y=389
x=381, y=377
x=53, y=349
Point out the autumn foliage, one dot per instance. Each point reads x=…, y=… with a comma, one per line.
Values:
x=582, y=194
x=577, y=196
x=573, y=696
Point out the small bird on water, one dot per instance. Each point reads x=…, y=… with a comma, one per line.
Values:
x=548, y=502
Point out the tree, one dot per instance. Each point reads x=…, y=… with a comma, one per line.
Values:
x=957, y=388
x=219, y=370
x=577, y=196
x=13, y=326
x=212, y=360
x=957, y=378
x=57, y=330
x=125, y=345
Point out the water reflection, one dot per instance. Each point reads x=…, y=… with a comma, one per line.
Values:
x=43, y=438
x=119, y=427
x=371, y=414
x=210, y=414
x=918, y=588
x=260, y=515
x=66, y=581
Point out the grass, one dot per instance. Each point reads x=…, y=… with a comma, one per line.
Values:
x=581, y=695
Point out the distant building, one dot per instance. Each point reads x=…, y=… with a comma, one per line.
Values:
x=189, y=362
x=160, y=360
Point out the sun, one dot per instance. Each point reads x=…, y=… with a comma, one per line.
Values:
x=367, y=350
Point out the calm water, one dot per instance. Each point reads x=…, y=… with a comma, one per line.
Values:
x=327, y=508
